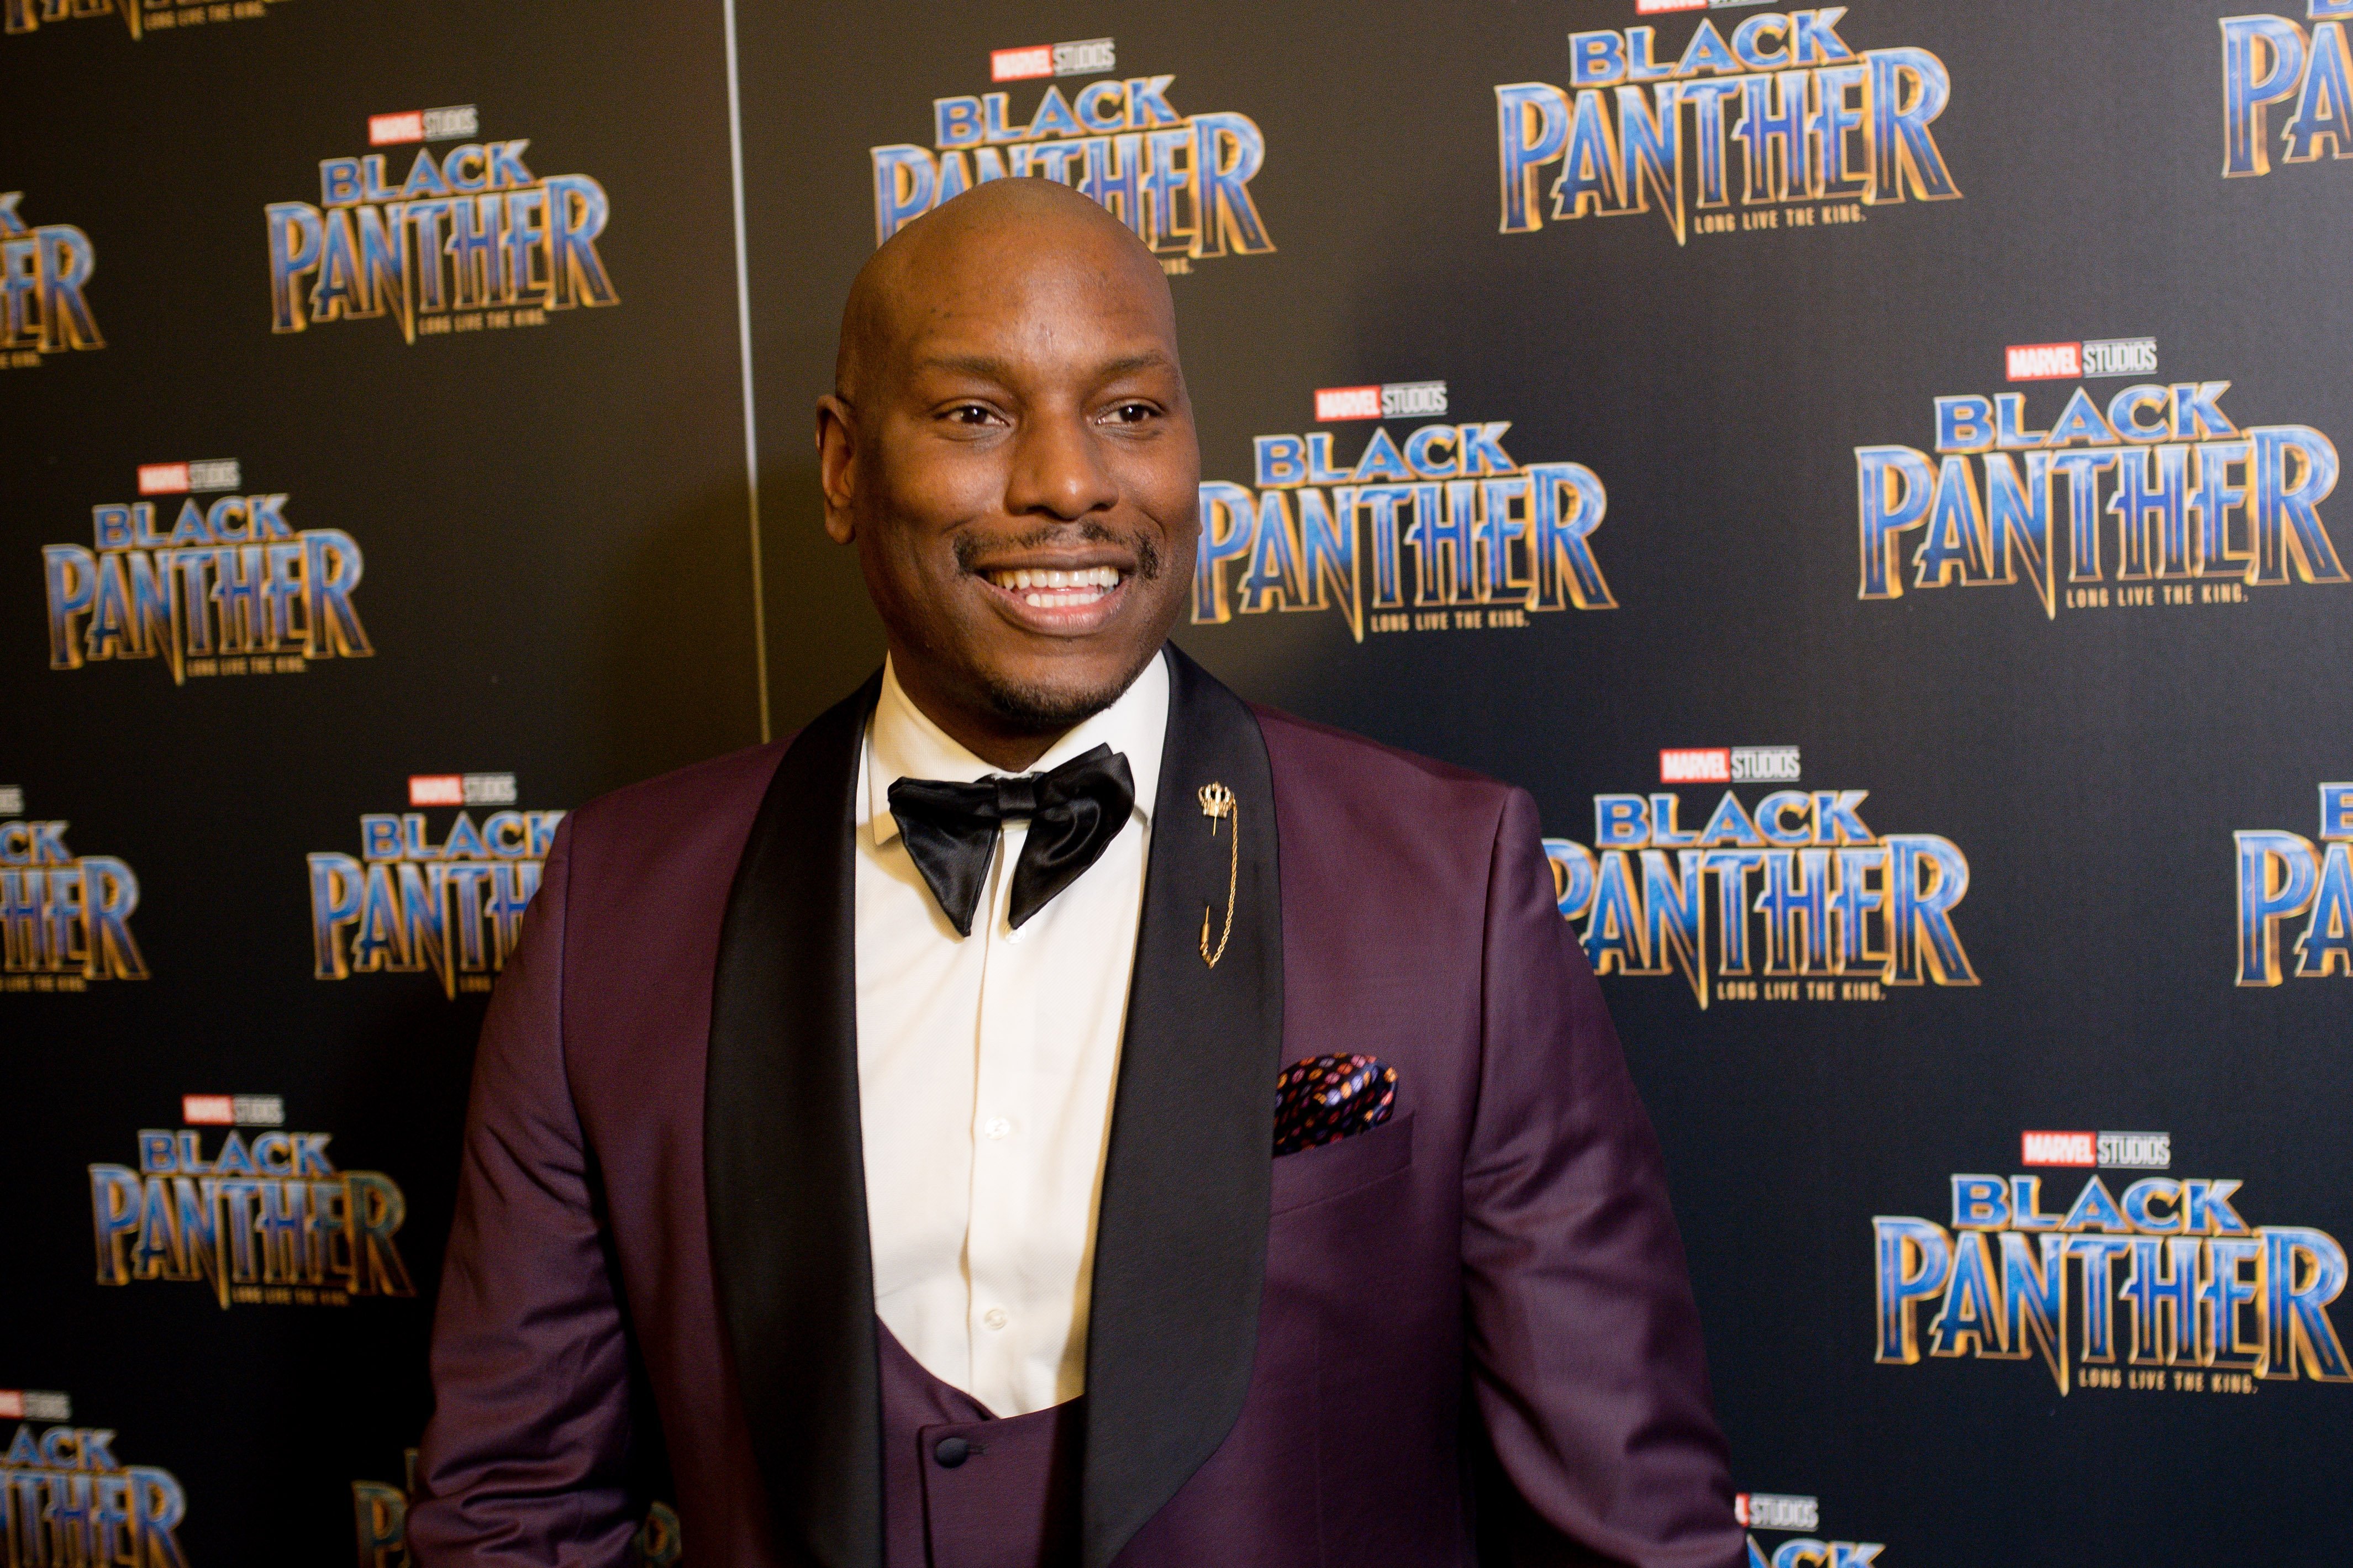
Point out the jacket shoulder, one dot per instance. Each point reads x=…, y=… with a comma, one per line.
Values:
x=1334, y=768
x=717, y=796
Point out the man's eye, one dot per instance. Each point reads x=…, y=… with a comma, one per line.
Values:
x=1132, y=412
x=969, y=414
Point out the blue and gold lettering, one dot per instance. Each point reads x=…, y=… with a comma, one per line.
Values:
x=2200, y=1288
x=1495, y=540
x=281, y=596
x=1181, y=182
x=1841, y=907
x=473, y=230
x=410, y=904
x=2147, y=484
x=2284, y=877
x=1623, y=139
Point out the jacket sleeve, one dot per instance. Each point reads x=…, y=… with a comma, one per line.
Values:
x=1586, y=1362
x=524, y=1459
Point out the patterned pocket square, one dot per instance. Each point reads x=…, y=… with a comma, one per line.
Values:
x=1325, y=1099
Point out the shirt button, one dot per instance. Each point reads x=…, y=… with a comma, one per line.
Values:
x=993, y=1317
x=999, y=1127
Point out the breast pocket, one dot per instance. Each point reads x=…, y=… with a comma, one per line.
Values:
x=1335, y=1170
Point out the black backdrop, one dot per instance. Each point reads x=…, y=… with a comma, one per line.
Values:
x=562, y=592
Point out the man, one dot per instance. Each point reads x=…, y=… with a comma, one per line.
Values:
x=1047, y=1110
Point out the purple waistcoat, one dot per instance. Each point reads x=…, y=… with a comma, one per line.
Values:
x=1011, y=1500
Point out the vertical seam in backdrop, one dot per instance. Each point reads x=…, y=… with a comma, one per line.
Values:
x=744, y=339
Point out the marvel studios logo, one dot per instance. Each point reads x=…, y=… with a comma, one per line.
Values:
x=1656, y=8
x=180, y=478
x=1084, y=57
x=462, y=789
x=2086, y=361
x=1393, y=400
x=2114, y=1151
x=423, y=125
x=1772, y=1510
x=233, y=1110
x=35, y=1405
x=1728, y=764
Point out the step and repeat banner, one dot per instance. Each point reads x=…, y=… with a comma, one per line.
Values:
x=376, y=493
x=1870, y=470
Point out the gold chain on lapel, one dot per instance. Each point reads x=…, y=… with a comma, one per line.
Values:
x=1217, y=801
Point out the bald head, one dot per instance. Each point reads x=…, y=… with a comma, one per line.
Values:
x=1009, y=445
x=993, y=236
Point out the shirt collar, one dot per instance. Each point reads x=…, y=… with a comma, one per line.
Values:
x=902, y=742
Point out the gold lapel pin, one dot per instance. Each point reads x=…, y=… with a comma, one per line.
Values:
x=1217, y=801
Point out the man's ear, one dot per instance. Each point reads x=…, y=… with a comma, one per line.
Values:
x=836, y=462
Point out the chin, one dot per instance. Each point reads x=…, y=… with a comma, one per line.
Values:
x=1049, y=701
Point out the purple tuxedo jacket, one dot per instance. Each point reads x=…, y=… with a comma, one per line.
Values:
x=1464, y=1336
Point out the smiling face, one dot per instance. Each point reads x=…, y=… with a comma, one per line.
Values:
x=1012, y=449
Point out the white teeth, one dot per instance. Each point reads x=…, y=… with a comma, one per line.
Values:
x=1082, y=586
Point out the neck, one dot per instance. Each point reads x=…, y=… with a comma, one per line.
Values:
x=1007, y=753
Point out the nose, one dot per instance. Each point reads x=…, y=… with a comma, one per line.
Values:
x=1058, y=470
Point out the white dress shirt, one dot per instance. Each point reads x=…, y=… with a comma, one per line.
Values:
x=986, y=1065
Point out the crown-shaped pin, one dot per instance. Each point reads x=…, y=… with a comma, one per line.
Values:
x=1217, y=801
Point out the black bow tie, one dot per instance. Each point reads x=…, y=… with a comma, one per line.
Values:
x=950, y=829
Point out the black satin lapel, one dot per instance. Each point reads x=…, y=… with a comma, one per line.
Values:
x=1180, y=1241
x=783, y=1162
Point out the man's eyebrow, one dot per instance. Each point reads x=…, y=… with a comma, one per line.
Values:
x=1149, y=359
x=982, y=365
x=991, y=368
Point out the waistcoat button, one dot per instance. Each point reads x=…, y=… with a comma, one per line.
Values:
x=952, y=1452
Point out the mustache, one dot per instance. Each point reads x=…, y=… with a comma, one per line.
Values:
x=1148, y=563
